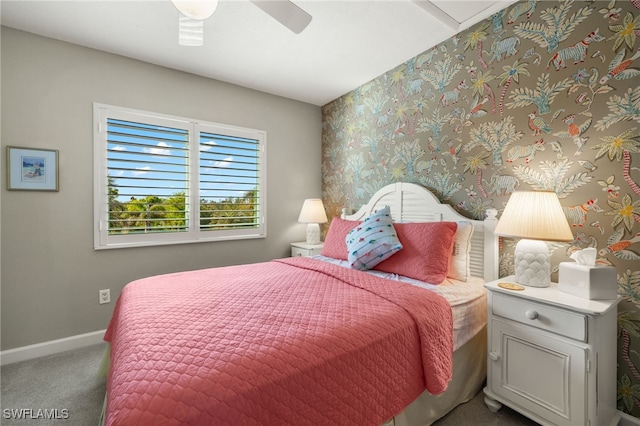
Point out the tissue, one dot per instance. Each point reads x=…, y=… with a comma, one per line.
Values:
x=586, y=257
x=584, y=279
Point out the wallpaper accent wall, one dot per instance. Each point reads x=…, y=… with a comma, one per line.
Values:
x=543, y=95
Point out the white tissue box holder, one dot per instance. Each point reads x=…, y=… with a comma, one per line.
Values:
x=588, y=282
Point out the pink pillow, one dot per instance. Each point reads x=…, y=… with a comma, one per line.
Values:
x=334, y=243
x=426, y=252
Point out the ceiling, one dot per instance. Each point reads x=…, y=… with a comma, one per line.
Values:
x=347, y=43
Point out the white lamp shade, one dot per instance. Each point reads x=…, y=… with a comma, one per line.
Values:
x=312, y=214
x=312, y=211
x=196, y=9
x=535, y=215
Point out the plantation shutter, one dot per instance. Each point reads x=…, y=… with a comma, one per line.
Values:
x=148, y=172
x=161, y=179
x=229, y=173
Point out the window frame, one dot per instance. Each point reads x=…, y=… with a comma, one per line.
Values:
x=193, y=234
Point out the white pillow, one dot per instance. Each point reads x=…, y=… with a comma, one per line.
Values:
x=459, y=268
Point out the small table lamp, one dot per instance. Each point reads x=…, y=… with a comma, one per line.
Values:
x=535, y=216
x=313, y=214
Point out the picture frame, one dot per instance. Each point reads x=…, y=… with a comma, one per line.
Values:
x=32, y=169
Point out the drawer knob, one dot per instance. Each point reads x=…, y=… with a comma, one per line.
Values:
x=531, y=315
x=494, y=356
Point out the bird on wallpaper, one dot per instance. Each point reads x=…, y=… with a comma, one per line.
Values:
x=619, y=69
x=574, y=131
x=618, y=246
x=537, y=124
x=476, y=107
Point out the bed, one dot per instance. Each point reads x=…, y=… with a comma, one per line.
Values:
x=320, y=340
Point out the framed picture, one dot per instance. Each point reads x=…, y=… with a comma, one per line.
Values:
x=30, y=169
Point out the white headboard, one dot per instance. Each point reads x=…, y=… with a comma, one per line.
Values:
x=413, y=203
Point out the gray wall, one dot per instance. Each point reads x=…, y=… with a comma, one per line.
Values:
x=50, y=273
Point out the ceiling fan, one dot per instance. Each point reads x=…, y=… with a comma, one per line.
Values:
x=194, y=12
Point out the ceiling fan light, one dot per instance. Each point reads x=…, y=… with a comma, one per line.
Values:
x=196, y=9
x=190, y=32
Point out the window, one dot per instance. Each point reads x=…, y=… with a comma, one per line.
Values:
x=169, y=180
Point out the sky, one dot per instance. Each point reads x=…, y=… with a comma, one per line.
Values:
x=147, y=160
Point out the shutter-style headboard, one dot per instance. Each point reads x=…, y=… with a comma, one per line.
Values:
x=413, y=203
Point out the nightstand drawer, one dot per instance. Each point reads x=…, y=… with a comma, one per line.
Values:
x=297, y=251
x=304, y=249
x=562, y=322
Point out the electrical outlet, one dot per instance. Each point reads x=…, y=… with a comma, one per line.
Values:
x=105, y=296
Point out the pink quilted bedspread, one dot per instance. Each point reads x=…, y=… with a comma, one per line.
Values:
x=292, y=341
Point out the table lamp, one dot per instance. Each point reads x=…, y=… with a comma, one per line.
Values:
x=313, y=214
x=536, y=217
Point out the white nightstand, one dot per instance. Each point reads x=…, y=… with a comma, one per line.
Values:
x=552, y=355
x=304, y=249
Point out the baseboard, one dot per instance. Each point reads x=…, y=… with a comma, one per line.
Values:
x=627, y=420
x=51, y=347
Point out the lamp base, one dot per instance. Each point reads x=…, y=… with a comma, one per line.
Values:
x=313, y=233
x=532, y=263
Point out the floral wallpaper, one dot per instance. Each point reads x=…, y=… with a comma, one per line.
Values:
x=543, y=95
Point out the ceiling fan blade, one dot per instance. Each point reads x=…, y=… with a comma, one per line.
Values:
x=190, y=31
x=285, y=12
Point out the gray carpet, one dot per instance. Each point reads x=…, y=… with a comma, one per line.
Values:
x=66, y=381
x=69, y=381
x=476, y=413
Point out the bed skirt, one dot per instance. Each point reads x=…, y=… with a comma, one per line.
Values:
x=469, y=374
